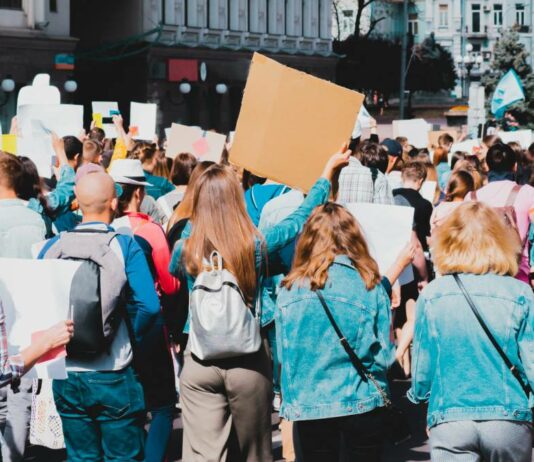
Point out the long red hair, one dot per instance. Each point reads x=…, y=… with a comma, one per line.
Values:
x=330, y=231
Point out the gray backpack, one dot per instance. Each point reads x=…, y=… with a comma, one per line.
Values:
x=97, y=298
x=222, y=324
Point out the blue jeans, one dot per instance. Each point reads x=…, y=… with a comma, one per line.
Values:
x=103, y=414
x=159, y=433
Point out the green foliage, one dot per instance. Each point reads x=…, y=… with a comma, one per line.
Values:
x=510, y=53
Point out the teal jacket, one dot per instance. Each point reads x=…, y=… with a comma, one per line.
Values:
x=455, y=367
x=318, y=379
x=275, y=238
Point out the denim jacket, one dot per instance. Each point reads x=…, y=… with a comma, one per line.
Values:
x=274, y=239
x=455, y=367
x=318, y=378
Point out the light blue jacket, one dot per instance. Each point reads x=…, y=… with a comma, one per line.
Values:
x=275, y=238
x=454, y=365
x=318, y=379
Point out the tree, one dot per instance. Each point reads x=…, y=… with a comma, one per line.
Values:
x=510, y=53
x=338, y=6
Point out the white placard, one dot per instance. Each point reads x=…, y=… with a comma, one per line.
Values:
x=523, y=137
x=106, y=109
x=29, y=311
x=387, y=230
x=35, y=122
x=470, y=146
x=39, y=92
x=416, y=130
x=428, y=191
x=143, y=116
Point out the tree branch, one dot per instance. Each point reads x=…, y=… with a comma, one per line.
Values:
x=373, y=24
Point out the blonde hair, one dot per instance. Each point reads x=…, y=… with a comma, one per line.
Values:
x=475, y=239
x=331, y=230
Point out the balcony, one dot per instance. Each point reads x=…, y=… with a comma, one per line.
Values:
x=480, y=33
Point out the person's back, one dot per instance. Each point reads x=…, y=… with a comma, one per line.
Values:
x=359, y=183
x=100, y=385
x=501, y=162
x=20, y=227
x=476, y=405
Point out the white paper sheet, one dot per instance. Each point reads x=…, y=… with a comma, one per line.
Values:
x=143, y=116
x=387, y=230
x=469, y=146
x=105, y=108
x=29, y=311
x=36, y=121
x=523, y=137
x=416, y=130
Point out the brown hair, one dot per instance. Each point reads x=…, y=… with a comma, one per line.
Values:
x=469, y=165
x=331, y=230
x=182, y=167
x=475, y=239
x=445, y=139
x=185, y=208
x=11, y=172
x=460, y=183
x=220, y=222
x=414, y=171
x=441, y=155
x=490, y=140
x=91, y=150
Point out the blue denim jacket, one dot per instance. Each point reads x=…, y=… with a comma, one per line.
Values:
x=318, y=378
x=455, y=367
x=275, y=238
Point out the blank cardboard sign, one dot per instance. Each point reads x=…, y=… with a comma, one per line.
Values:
x=290, y=123
x=202, y=144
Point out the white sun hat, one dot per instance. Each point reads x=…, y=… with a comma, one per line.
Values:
x=128, y=171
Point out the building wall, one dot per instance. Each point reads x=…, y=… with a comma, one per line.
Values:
x=444, y=19
x=344, y=18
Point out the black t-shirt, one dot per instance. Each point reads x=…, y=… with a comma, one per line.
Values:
x=422, y=212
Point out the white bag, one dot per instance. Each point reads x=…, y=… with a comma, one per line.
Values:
x=222, y=324
x=45, y=423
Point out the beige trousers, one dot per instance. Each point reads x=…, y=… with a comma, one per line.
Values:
x=226, y=409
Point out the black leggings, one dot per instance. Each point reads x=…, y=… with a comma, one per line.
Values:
x=349, y=439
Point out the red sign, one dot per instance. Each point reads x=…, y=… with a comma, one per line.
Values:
x=183, y=69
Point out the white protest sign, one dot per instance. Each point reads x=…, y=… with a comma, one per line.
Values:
x=143, y=120
x=35, y=122
x=204, y=145
x=416, y=130
x=428, y=190
x=523, y=137
x=103, y=111
x=39, y=92
x=470, y=146
x=29, y=312
x=387, y=230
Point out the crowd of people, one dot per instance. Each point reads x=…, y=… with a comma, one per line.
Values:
x=225, y=296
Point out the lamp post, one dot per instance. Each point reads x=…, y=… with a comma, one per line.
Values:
x=465, y=64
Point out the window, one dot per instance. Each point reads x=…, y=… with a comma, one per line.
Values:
x=497, y=14
x=443, y=16
x=348, y=13
x=11, y=4
x=520, y=14
x=475, y=18
x=53, y=6
x=413, y=24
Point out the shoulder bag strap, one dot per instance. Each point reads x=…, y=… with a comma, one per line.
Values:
x=512, y=196
x=513, y=369
x=355, y=360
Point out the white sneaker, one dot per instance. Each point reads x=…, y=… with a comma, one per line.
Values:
x=277, y=401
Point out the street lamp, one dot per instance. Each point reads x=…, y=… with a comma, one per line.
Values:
x=465, y=65
x=7, y=85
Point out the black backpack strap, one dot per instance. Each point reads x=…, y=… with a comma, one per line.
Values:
x=513, y=369
x=364, y=373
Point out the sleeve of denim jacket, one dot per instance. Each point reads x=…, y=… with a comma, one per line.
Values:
x=60, y=198
x=422, y=356
x=284, y=232
x=525, y=340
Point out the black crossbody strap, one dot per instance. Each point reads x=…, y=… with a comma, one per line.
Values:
x=355, y=360
x=513, y=369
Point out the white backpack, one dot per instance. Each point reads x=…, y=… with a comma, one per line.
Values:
x=222, y=325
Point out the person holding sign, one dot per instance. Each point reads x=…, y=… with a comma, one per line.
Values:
x=235, y=392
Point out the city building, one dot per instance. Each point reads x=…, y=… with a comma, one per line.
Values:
x=34, y=38
x=469, y=29
x=344, y=18
x=191, y=57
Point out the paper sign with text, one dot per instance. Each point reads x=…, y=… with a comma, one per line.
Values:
x=290, y=123
x=104, y=111
x=204, y=145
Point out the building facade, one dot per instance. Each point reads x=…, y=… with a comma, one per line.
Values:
x=467, y=28
x=34, y=37
x=344, y=18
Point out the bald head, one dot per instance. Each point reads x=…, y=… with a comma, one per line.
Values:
x=96, y=196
